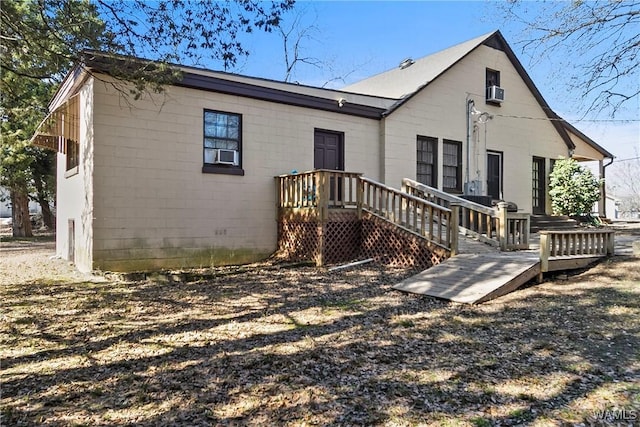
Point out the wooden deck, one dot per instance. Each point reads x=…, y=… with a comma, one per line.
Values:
x=475, y=272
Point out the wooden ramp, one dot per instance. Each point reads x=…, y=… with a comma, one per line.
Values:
x=475, y=278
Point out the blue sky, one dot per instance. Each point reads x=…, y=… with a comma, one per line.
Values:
x=363, y=38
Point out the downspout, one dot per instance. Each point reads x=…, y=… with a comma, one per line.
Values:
x=603, y=193
x=470, y=104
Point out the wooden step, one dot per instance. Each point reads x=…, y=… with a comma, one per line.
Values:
x=551, y=222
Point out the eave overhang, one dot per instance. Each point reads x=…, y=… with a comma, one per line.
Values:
x=230, y=84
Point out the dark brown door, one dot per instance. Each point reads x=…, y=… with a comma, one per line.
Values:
x=539, y=192
x=328, y=150
x=494, y=174
x=328, y=153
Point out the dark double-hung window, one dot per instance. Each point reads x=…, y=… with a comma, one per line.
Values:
x=427, y=155
x=452, y=166
x=222, y=143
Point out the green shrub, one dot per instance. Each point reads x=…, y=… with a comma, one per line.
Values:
x=573, y=188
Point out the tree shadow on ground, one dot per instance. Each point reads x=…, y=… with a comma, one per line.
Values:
x=307, y=346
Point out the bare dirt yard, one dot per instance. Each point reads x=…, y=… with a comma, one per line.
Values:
x=299, y=346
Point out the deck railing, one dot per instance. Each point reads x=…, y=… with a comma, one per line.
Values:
x=498, y=227
x=434, y=222
x=321, y=189
x=571, y=244
x=418, y=208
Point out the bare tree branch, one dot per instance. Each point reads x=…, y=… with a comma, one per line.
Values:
x=599, y=42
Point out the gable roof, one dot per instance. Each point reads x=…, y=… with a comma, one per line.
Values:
x=405, y=83
x=587, y=140
x=361, y=105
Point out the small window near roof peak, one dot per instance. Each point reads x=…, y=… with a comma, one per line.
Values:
x=492, y=79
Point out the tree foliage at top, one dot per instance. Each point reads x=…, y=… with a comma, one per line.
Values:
x=599, y=39
x=41, y=40
x=573, y=188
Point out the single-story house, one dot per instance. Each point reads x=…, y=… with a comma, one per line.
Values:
x=186, y=177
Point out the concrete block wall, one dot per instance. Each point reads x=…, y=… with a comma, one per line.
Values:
x=155, y=208
x=440, y=111
x=75, y=193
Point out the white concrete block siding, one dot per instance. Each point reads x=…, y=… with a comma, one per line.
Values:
x=140, y=199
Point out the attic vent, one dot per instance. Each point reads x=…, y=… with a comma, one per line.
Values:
x=406, y=63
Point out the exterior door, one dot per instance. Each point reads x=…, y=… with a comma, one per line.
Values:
x=328, y=150
x=494, y=175
x=539, y=193
x=328, y=153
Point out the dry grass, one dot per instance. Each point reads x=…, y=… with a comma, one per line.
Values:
x=306, y=347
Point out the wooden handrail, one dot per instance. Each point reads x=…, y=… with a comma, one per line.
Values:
x=410, y=196
x=495, y=226
x=574, y=243
x=414, y=214
x=431, y=192
x=318, y=189
x=419, y=209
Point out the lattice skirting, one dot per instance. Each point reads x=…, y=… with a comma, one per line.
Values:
x=393, y=246
x=345, y=238
x=334, y=241
x=298, y=241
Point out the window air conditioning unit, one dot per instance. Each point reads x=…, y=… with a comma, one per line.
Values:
x=495, y=94
x=225, y=157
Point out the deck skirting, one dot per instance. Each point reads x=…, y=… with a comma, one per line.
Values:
x=343, y=237
x=390, y=245
x=304, y=236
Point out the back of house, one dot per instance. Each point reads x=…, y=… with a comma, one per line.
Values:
x=185, y=177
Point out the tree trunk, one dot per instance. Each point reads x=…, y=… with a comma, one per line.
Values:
x=20, y=214
x=47, y=217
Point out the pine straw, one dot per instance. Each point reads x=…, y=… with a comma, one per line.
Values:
x=306, y=347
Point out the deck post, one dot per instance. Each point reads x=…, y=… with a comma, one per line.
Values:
x=323, y=196
x=503, y=227
x=321, y=244
x=454, y=227
x=359, y=196
x=610, y=242
x=278, y=196
x=545, y=252
x=323, y=213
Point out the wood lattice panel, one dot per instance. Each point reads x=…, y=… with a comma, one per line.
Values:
x=297, y=240
x=392, y=246
x=302, y=236
x=344, y=238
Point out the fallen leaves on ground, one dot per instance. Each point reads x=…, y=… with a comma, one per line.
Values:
x=303, y=346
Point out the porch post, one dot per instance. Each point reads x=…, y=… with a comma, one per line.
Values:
x=503, y=227
x=359, y=195
x=544, y=254
x=602, y=203
x=454, y=227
